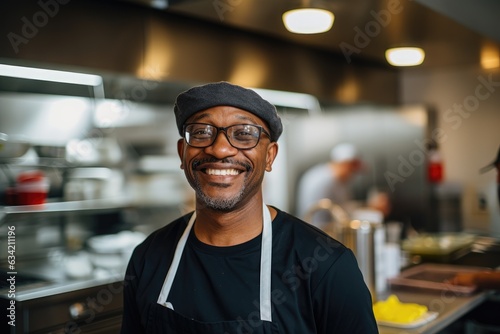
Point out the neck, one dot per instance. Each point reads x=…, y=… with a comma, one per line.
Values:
x=218, y=228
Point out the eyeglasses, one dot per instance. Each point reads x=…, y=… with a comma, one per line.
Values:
x=240, y=136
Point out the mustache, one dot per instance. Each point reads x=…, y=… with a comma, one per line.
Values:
x=196, y=163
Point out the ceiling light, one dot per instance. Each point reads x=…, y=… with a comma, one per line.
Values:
x=290, y=99
x=490, y=57
x=50, y=75
x=308, y=20
x=405, y=56
x=31, y=73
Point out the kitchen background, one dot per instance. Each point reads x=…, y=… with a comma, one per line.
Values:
x=148, y=55
x=114, y=144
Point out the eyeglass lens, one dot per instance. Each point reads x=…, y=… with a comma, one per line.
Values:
x=242, y=136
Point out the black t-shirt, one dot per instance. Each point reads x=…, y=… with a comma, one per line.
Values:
x=316, y=285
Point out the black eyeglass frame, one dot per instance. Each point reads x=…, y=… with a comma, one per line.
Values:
x=224, y=129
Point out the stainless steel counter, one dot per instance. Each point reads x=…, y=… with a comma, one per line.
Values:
x=47, y=300
x=449, y=303
x=53, y=280
x=449, y=306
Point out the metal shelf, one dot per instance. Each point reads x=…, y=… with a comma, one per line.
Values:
x=58, y=208
x=84, y=207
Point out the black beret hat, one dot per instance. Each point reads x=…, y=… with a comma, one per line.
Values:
x=225, y=94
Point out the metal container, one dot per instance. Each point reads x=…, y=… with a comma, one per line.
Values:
x=365, y=236
x=326, y=208
x=363, y=233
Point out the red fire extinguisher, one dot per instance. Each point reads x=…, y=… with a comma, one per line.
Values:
x=435, y=172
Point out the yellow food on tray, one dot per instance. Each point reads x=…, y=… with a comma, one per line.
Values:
x=392, y=310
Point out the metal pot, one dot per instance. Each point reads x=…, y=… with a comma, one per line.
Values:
x=11, y=147
x=93, y=183
x=50, y=151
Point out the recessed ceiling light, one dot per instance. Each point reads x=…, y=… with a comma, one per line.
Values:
x=308, y=20
x=490, y=57
x=405, y=56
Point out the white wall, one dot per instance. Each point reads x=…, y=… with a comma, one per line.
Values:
x=467, y=101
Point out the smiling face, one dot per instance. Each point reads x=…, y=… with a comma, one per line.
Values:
x=223, y=176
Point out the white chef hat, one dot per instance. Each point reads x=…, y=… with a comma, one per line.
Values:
x=344, y=152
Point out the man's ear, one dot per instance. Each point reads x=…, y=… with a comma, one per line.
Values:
x=180, y=150
x=272, y=152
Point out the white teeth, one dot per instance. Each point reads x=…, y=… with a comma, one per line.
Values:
x=222, y=172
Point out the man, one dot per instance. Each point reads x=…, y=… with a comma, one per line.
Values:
x=487, y=279
x=485, y=315
x=494, y=164
x=330, y=180
x=491, y=194
x=235, y=265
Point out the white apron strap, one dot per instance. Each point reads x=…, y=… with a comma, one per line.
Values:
x=265, y=266
x=169, y=279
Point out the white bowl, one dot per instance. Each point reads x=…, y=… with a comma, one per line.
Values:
x=11, y=147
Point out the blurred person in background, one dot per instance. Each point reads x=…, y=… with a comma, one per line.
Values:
x=333, y=180
x=487, y=279
x=486, y=314
x=493, y=195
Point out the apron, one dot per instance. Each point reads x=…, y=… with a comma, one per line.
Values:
x=163, y=318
